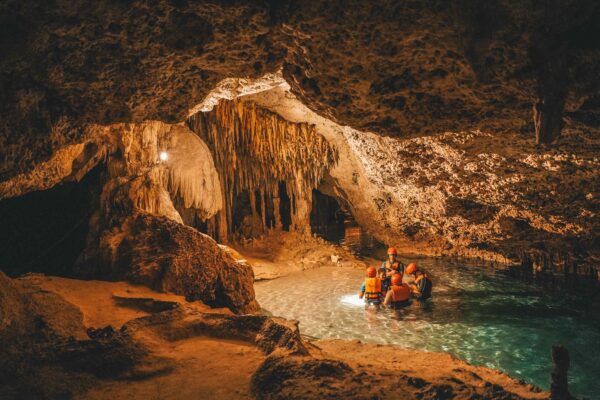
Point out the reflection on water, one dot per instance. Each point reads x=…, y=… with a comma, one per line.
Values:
x=476, y=314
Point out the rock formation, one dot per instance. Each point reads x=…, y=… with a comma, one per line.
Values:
x=402, y=69
x=258, y=154
x=176, y=349
x=405, y=70
x=465, y=128
x=474, y=194
x=168, y=256
x=47, y=353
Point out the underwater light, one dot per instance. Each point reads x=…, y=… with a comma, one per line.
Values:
x=164, y=156
x=352, y=300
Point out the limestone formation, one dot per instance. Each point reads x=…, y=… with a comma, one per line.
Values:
x=255, y=151
x=397, y=68
x=471, y=194
x=406, y=70
x=46, y=352
x=167, y=256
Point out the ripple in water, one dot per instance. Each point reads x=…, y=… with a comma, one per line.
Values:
x=477, y=314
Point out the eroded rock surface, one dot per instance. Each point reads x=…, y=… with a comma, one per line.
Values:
x=352, y=370
x=474, y=194
x=46, y=353
x=190, y=351
x=397, y=68
x=165, y=255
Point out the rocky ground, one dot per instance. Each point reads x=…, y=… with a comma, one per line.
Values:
x=128, y=341
x=282, y=253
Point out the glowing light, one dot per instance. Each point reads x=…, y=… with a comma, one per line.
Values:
x=164, y=156
x=352, y=300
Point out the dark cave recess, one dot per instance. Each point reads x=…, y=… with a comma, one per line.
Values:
x=45, y=231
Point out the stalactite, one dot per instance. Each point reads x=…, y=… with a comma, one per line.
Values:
x=190, y=173
x=255, y=149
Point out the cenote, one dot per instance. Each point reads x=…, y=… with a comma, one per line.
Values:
x=477, y=314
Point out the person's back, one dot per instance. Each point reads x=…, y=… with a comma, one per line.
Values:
x=371, y=288
x=423, y=285
x=399, y=293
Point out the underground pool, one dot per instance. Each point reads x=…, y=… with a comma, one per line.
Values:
x=477, y=314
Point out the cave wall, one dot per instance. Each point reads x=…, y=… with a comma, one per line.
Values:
x=123, y=224
x=81, y=83
x=472, y=194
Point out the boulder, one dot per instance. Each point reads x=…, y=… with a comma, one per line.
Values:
x=167, y=256
x=45, y=352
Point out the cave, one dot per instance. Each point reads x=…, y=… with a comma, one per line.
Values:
x=327, y=217
x=44, y=231
x=299, y=200
x=285, y=207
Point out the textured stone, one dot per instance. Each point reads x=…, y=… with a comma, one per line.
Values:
x=45, y=351
x=167, y=256
x=398, y=68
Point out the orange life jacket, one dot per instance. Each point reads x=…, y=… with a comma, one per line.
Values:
x=372, y=288
x=400, y=293
x=396, y=266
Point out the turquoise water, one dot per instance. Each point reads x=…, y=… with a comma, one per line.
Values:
x=478, y=314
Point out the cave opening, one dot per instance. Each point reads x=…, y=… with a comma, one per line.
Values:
x=247, y=215
x=285, y=207
x=269, y=206
x=332, y=220
x=242, y=209
x=45, y=231
x=327, y=219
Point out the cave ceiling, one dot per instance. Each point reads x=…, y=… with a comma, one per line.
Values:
x=394, y=68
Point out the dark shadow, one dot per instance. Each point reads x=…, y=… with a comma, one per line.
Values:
x=241, y=208
x=285, y=209
x=326, y=217
x=45, y=231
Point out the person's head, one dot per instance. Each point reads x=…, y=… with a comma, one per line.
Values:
x=411, y=269
x=392, y=254
x=397, y=279
x=371, y=272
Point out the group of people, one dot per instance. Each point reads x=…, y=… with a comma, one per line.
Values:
x=386, y=286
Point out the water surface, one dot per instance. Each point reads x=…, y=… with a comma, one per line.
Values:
x=478, y=314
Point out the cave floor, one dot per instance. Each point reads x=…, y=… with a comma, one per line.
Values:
x=282, y=253
x=209, y=365
x=205, y=368
x=198, y=366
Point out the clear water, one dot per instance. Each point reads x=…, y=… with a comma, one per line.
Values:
x=478, y=314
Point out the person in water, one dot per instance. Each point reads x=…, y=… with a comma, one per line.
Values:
x=385, y=280
x=393, y=264
x=399, y=294
x=422, y=286
x=371, y=289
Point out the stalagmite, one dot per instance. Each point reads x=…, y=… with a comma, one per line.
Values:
x=255, y=149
